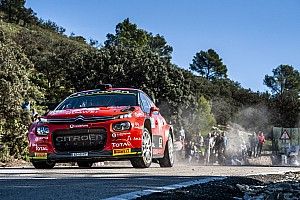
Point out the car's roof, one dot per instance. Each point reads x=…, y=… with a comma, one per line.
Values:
x=125, y=89
x=99, y=90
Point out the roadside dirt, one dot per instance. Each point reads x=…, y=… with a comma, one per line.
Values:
x=15, y=163
x=279, y=186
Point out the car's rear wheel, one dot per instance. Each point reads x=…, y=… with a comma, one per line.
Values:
x=43, y=164
x=168, y=159
x=146, y=159
x=84, y=164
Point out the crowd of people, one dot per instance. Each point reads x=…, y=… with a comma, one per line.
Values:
x=217, y=148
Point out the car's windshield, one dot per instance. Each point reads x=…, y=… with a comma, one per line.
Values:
x=99, y=100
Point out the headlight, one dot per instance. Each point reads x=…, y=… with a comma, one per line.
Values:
x=127, y=115
x=42, y=130
x=43, y=120
x=121, y=126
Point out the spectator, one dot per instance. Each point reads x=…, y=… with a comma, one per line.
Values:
x=182, y=134
x=253, y=145
x=191, y=149
x=261, y=141
x=199, y=140
x=209, y=144
x=222, y=148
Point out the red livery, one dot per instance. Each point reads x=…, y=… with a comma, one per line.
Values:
x=100, y=125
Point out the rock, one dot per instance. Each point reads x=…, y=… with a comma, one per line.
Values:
x=243, y=187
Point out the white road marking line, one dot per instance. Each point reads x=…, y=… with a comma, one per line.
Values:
x=27, y=178
x=270, y=173
x=136, y=194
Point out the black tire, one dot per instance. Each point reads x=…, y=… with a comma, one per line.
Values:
x=147, y=155
x=43, y=164
x=168, y=159
x=85, y=164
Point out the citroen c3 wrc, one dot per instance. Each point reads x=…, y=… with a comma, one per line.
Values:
x=104, y=124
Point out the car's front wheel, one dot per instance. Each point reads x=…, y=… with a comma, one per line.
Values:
x=43, y=164
x=168, y=159
x=146, y=159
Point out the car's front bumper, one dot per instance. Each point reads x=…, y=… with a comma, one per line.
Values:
x=116, y=154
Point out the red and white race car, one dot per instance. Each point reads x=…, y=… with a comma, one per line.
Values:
x=101, y=125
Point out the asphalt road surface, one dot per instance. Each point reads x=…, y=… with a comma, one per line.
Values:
x=110, y=181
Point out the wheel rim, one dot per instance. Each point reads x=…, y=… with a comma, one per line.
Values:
x=147, y=147
x=171, y=150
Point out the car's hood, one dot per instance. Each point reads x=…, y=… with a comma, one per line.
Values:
x=87, y=112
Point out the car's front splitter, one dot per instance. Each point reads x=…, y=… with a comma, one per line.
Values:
x=116, y=154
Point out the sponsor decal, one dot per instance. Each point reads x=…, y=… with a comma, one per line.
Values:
x=134, y=138
x=117, y=152
x=81, y=111
x=56, y=111
x=41, y=148
x=114, y=135
x=40, y=156
x=120, y=144
x=79, y=125
x=136, y=124
x=157, y=141
x=160, y=142
x=81, y=154
x=111, y=92
x=139, y=114
x=79, y=138
x=40, y=139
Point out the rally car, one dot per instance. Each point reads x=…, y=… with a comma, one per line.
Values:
x=101, y=125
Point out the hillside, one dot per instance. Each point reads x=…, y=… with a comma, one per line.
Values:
x=41, y=65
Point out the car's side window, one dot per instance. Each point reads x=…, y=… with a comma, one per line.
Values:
x=145, y=103
x=151, y=104
x=149, y=101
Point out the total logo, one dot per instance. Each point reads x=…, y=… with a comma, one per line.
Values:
x=37, y=148
x=121, y=144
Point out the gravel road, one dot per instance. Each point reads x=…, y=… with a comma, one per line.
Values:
x=120, y=178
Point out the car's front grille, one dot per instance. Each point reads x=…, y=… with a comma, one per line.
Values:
x=79, y=139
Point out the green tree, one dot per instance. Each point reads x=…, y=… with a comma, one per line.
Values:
x=48, y=24
x=12, y=8
x=54, y=57
x=209, y=65
x=284, y=78
x=17, y=13
x=285, y=86
x=204, y=120
x=15, y=72
x=129, y=35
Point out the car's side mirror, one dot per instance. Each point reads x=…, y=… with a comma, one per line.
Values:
x=154, y=109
